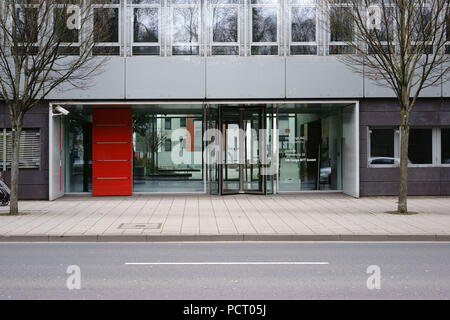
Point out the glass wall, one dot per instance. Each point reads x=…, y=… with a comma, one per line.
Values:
x=167, y=146
x=78, y=149
x=309, y=147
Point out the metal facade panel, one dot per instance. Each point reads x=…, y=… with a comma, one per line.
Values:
x=235, y=77
x=165, y=78
x=321, y=77
x=107, y=84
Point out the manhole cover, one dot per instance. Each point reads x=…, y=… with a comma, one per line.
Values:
x=140, y=226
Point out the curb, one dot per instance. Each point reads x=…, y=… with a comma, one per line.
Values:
x=225, y=237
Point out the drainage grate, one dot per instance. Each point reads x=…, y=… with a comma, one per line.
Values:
x=140, y=226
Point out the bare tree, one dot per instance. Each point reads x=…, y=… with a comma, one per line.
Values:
x=44, y=44
x=400, y=44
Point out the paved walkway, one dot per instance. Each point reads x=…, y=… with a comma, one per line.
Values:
x=240, y=217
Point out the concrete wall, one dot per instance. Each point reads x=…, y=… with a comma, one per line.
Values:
x=33, y=183
x=384, y=181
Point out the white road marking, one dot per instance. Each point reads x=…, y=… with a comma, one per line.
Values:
x=229, y=263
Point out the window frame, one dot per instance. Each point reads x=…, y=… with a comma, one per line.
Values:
x=396, y=130
x=172, y=6
x=275, y=5
x=211, y=6
x=119, y=42
x=131, y=7
x=291, y=5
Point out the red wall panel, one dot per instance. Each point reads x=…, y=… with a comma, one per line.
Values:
x=111, y=152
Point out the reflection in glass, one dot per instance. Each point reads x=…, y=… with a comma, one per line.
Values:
x=382, y=147
x=341, y=25
x=78, y=150
x=225, y=25
x=310, y=149
x=420, y=149
x=303, y=24
x=168, y=149
x=185, y=24
x=264, y=23
x=445, y=146
x=106, y=19
x=145, y=25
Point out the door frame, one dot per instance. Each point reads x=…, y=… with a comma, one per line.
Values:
x=262, y=153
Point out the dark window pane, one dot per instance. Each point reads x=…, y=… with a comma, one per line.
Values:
x=27, y=25
x=341, y=25
x=146, y=51
x=303, y=25
x=341, y=49
x=264, y=50
x=168, y=145
x=225, y=25
x=381, y=146
x=106, y=25
x=185, y=24
x=420, y=150
x=264, y=22
x=69, y=51
x=225, y=50
x=445, y=146
x=185, y=50
x=168, y=124
x=303, y=50
x=146, y=25
x=182, y=122
x=106, y=51
x=60, y=26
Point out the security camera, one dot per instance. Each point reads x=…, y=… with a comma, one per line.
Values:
x=61, y=111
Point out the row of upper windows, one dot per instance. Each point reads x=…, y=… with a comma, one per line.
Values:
x=216, y=27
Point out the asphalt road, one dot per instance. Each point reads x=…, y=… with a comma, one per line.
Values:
x=236, y=270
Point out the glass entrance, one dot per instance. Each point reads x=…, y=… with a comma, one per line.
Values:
x=243, y=147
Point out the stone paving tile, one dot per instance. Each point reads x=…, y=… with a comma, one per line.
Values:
x=306, y=214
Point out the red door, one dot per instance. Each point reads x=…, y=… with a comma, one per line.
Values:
x=111, y=152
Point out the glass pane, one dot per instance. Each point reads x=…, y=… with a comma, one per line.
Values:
x=148, y=51
x=303, y=25
x=27, y=27
x=185, y=24
x=106, y=25
x=264, y=50
x=445, y=146
x=225, y=50
x=185, y=50
x=60, y=26
x=146, y=25
x=382, y=146
x=78, y=150
x=303, y=50
x=145, y=1
x=225, y=25
x=310, y=148
x=341, y=25
x=420, y=150
x=224, y=1
x=252, y=123
x=264, y=23
x=231, y=152
x=167, y=145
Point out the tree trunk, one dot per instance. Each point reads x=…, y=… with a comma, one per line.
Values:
x=14, y=199
x=403, y=185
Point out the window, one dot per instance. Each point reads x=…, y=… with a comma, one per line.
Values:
x=146, y=26
x=106, y=29
x=303, y=27
x=168, y=123
x=182, y=122
x=30, y=149
x=69, y=38
x=384, y=33
x=421, y=29
x=341, y=29
x=382, y=146
x=447, y=27
x=225, y=30
x=420, y=147
x=445, y=146
x=264, y=18
x=185, y=27
x=27, y=28
x=168, y=145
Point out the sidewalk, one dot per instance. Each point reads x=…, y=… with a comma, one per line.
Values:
x=314, y=217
